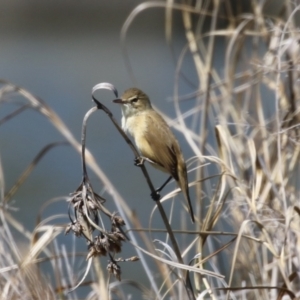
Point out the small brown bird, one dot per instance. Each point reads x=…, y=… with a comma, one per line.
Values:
x=154, y=138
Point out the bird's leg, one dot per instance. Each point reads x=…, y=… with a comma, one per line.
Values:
x=156, y=195
x=139, y=161
x=165, y=183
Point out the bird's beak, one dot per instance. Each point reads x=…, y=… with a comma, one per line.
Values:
x=119, y=101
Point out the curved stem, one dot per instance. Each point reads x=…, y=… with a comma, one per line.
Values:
x=83, y=139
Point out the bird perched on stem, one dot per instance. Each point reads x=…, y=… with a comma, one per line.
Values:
x=154, y=139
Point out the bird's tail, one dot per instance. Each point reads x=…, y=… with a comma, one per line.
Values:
x=183, y=183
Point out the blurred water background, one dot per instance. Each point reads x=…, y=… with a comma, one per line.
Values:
x=58, y=51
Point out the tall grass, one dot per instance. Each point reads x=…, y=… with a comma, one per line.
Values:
x=243, y=130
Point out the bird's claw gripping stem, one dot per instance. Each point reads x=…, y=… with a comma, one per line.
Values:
x=139, y=161
x=155, y=195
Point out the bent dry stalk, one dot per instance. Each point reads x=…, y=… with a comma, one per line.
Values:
x=87, y=208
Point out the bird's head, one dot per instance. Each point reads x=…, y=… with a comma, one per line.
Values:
x=133, y=101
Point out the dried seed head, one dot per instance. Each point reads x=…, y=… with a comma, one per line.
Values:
x=114, y=268
x=92, y=253
x=117, y=220
x=85, y=194
x=118, y=234
x=96, y=249
x=99, y=199
x=76, y=227
x=114, y=243
x=133, y=258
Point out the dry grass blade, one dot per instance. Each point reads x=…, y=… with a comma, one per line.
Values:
x=88, y=267
x=181, y=266
x=13, y=114
x=49, y=234
x=210, y=217
x=29, y=169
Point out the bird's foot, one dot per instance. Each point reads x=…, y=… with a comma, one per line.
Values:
x=155, y=195
x=139, y=161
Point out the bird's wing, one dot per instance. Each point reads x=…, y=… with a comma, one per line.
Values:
x=160, y=145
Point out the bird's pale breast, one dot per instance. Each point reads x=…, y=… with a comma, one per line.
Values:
x=154, y=139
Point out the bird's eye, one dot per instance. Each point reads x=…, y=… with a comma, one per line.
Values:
x=133, y=100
